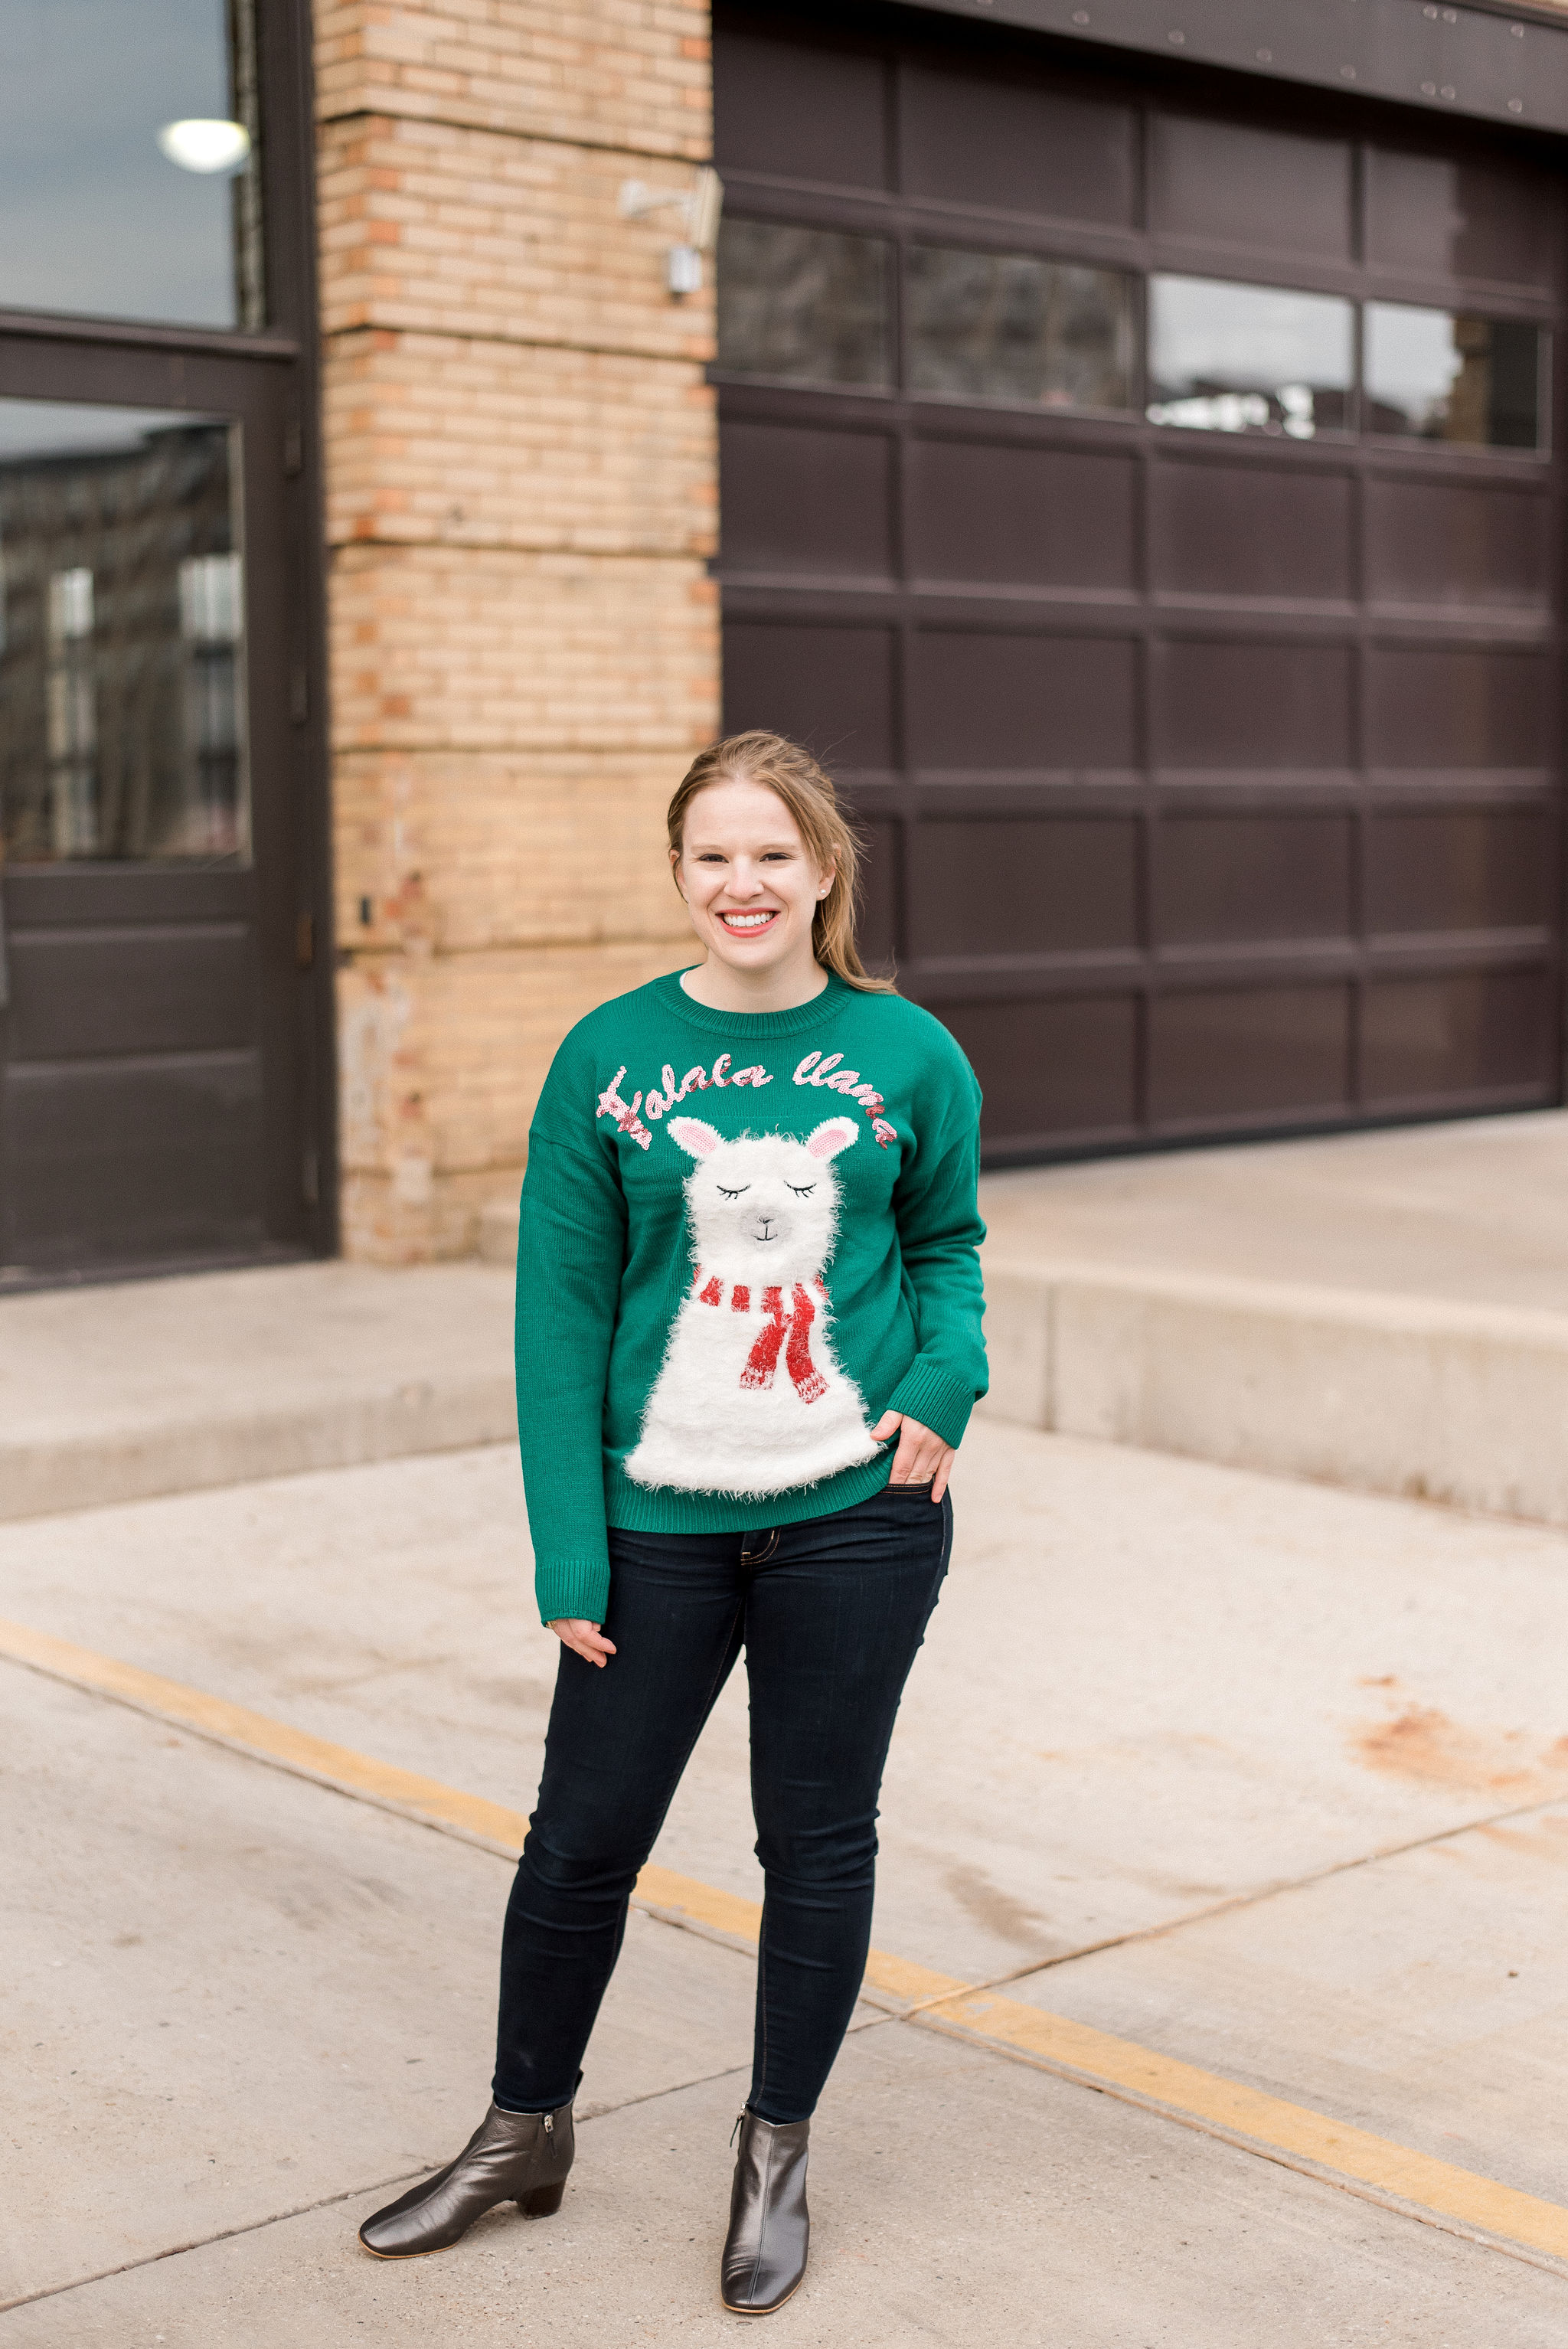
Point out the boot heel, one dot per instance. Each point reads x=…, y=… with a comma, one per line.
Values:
x=543, y=2202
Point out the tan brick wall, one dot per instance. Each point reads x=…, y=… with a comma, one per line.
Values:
x=522, y=496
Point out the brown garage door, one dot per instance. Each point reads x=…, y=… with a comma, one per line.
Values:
x=1151, y=510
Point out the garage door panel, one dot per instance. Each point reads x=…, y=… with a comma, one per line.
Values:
x=1225, y=705
x=1218, y=1055
x=829, y=688
x=1013, y=144
x=1223, y=880
x=876, y=929
x=1021, y=516
x=1441, y=543
x=1464, y=869
x=1250, y=530
x=794, y=498
x=1463, y=1032
x=1269, y=191
x=1452, y=706
x=1054, y=1071
x=799, y=111
x=1021, y=701
x=1030, y=885
x=1450, y=217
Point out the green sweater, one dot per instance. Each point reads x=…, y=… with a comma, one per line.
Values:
x=744, y=1237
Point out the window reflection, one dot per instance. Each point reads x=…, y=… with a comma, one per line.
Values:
x=1009, y=325
x=122, y=723
x=96, y=216
x=1442, y=374
x=1249, y=358
x=803, y=305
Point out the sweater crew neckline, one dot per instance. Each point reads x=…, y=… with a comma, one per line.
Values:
x=761, y=1025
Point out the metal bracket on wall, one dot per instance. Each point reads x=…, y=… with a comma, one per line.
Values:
x=1501, y=68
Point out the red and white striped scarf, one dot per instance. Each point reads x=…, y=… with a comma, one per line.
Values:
x=787, y=1329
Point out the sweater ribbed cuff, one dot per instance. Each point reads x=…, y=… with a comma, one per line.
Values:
x=576, y=1587
x=936, y=1398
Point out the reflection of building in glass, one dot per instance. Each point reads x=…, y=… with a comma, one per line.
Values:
x=122, y=682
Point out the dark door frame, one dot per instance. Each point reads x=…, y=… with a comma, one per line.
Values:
x=272, y=379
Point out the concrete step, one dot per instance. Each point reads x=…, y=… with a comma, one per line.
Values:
x=1387, y=1311
x=117, y=1394
x=1432, y=1399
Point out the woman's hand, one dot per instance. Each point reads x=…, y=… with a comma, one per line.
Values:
x=584, y=1639
x=922, y=1455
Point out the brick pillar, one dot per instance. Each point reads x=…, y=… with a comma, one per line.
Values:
x=522, y=492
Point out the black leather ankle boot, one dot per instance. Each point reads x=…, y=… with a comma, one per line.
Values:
x=769, y=2227
x=521, y=2157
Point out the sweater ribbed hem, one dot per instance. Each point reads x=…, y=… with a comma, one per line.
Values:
x=635, y=1508
x=577, y=1587
x=936, y=1399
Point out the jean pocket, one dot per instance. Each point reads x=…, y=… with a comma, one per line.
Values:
x=918, y=1492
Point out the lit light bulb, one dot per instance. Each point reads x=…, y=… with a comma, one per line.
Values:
x=197, y=145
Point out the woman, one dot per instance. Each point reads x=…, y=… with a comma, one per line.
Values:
x=747, y=1345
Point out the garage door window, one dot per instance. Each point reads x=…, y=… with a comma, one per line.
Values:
x=803, y=305
x=1012, y=327
x=1446, y=375
x=1249, y=358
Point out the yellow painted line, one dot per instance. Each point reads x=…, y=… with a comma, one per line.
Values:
x=1185, y=2092
x=1269, y=2121
x=349, y=1773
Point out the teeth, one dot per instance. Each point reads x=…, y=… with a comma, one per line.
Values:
x=745, y=921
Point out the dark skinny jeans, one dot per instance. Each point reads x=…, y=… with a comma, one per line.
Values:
x=831, y=1614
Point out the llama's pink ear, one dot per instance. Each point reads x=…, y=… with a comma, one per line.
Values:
x=693, y=1134
x=834, y=1134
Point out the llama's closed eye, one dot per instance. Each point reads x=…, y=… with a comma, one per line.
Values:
x=802, y=1191
x=732, y=1195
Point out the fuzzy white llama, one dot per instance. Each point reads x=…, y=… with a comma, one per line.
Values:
x=750, y=1399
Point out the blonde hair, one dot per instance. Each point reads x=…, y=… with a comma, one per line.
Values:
x=794, y=776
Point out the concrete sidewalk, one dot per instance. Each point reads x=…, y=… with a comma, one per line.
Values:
x=1267, y=1779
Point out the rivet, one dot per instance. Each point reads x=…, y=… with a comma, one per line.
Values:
x=1177, y=37
x=1348, y=73
x=1265, y=57
x=1516, y=106
x=1428, y=89
x=1431, y=12
x=1081, y=15
x=1447, y=91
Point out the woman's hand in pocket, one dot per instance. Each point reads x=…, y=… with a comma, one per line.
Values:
x=922, y=1458
x=584, y=1639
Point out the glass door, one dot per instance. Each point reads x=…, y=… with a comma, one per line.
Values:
x=142, y=1119
x=165, y=1016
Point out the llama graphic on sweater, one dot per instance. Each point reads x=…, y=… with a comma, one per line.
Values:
x=750, y=1399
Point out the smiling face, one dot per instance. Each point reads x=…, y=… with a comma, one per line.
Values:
x=763, y=1209
x=751, y=886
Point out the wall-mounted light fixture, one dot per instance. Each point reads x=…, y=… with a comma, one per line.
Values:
x=199, y=145
x=702, y=205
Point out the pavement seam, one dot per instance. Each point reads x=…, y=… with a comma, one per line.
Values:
x=1525, y=2224
x=327, y=2202
x=1262, y=1892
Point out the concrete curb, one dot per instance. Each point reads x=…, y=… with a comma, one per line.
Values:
x=1463, y=1404
x=136, y=1462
